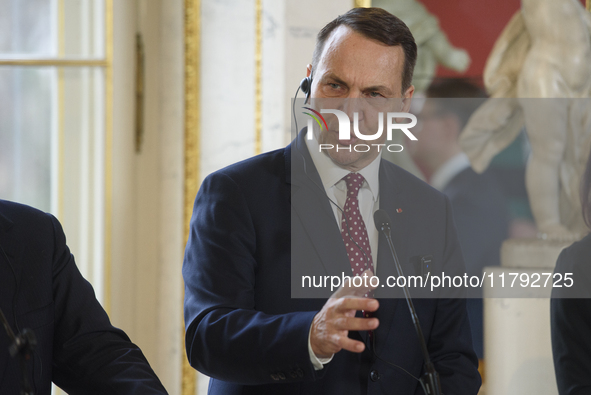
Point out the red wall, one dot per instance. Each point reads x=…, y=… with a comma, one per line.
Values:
x=473, y=25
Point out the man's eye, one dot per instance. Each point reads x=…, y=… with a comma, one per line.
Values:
x=375, y=94
x=334, y=86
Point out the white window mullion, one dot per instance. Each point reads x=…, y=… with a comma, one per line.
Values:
x=56, y=153
x=98, y=177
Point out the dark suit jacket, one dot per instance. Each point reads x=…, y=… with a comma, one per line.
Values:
x=570, y=317
x=481, y=217
x=42, y=289
x=246, y=331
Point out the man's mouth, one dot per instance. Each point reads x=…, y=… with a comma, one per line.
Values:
x=346, y=142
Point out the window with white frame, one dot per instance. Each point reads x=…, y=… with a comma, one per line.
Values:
x=54, y=78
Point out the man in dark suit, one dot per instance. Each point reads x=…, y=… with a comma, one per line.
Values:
x=570, y=318
x=479, y=206
x=261, y=224
x=570, y=307
x=42, y=290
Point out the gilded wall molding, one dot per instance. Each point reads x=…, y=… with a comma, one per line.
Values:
x=192, y=147
x=361, y=3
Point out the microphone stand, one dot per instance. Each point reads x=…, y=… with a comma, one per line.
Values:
x=22, y=344
x=430, y=379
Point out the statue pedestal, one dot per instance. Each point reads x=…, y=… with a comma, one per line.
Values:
x=532, y=253
x=517, y=345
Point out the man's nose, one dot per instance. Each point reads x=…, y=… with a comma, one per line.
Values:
x=353, y=104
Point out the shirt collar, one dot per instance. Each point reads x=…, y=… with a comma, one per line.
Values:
x=449, y=170
x=330, y=173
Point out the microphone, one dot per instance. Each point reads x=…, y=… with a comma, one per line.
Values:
x=430, y=379
x=22, y=346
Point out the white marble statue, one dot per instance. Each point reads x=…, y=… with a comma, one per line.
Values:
x=543, y=53
x=432, y=43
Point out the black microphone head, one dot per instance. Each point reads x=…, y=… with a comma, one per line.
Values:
x=381, y=220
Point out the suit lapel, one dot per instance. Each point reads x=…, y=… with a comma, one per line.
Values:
x=312, y=211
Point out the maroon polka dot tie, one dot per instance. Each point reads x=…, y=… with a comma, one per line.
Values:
x=353, y=228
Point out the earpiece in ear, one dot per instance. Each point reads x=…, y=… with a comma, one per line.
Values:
x=306, y=87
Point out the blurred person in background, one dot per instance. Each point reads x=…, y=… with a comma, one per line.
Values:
x=570, y=308
x=478, y=204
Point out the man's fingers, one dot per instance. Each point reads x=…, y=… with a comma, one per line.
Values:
x=356, y=324
x=349, y=289
x=346, y=343
x=347, y=304
x=330, y=327
x=346, y=291
x=368, y=273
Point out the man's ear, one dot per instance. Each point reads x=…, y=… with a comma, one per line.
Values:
x=308, y=70
x=407, y=98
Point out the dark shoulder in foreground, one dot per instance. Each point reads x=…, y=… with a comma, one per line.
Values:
x=573, y=262
x=268, y=163
x=581, y=247
x=577, y=255
x=16, y=213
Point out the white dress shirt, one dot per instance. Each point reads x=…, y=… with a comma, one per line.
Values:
x=331, y=177
x=449, y=170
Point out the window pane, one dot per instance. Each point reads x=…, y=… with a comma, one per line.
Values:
x=26, y=121
x=52, y=28
x=28, y=27
x=52, y=152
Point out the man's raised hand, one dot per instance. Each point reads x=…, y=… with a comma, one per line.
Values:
x=331, y=326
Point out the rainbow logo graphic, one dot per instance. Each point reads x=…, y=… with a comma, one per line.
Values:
x=316, y=117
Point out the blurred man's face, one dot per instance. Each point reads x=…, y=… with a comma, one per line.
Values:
x=368, y=75
x=435, y=132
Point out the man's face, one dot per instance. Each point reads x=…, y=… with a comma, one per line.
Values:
x=357, y=74
x=436, y=132
x=428, y=132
